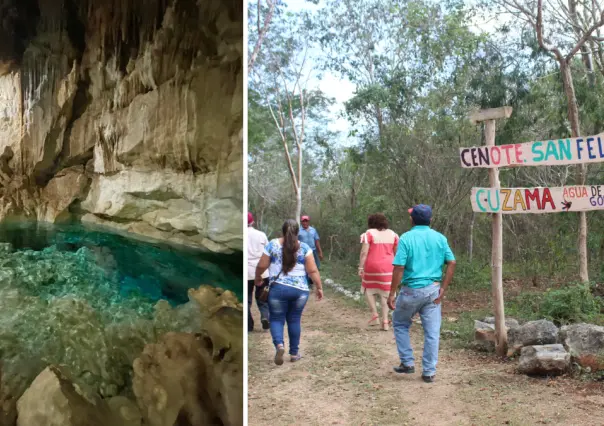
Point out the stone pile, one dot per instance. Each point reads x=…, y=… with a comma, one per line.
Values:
x=544, y=349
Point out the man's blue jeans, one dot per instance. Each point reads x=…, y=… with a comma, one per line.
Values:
x=409, y=302
x=286, y=303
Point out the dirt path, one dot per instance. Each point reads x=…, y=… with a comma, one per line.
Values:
x=346, y=377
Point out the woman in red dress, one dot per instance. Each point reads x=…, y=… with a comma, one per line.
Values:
x=379, y=245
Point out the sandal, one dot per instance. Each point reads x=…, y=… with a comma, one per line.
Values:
x=296, y=358
x=373, y=320
x=279, y=355
x=386, y=325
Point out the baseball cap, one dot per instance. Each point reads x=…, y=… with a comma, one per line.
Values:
x=303, y=218
x=250, y=218
x=421, y=213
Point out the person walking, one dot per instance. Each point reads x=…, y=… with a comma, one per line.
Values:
x=375, y=265
x=289, y=261
x=310, y=236
x=418, y=266
x=256, y=241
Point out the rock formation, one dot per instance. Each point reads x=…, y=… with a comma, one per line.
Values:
x=547, y=360
x=540, y=332
x=53, y=400
x=126, y=114
x=195, y=379
x=585, y=342
x=183, y=378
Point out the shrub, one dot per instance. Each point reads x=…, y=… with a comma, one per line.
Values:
x=571, y=304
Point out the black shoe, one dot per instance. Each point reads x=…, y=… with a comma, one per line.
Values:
x=404, y=369
x=265, y=324
x=428, y=379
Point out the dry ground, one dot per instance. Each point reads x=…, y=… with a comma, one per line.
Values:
x=346, y=378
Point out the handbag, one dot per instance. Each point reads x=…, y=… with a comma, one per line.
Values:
x=264, y=295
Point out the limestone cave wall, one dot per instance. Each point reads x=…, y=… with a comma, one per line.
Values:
x=127, y=114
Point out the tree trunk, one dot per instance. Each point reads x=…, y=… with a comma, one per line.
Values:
x=298, y=204
x=573, y=117
x=299, y=192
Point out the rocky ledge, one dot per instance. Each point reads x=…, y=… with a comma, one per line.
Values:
x=183, y=378
x=126, y=114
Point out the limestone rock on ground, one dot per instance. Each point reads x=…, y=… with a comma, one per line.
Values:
x=544, y=360
x=484, y=332
x=540, y=332
x=509, y=322
x=585, y=342
x=52, y=400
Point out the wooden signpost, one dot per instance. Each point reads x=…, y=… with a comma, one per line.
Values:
x=498, y=201
x=489, y=116
x=538, y=200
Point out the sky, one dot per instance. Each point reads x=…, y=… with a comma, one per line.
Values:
x=341, y=89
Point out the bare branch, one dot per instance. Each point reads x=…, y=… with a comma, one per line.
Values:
x=261, y=31
x=585, y=37
x=281, y=128
x=539, y=31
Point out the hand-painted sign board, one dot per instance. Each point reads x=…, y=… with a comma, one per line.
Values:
x=538, y=200
x=589, y=149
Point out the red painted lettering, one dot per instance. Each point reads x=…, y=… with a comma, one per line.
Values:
x=507, y=148
x=495, y=150
x=534, y=196
x=518, y=150
x=547, y=198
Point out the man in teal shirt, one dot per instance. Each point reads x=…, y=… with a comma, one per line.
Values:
x=418, y=266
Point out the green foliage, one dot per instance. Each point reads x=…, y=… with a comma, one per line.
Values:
x=418, y=68
x=471, y=276
x=572, y=304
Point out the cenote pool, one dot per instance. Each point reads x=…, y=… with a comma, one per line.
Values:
x=56, y=260
x=89, y=300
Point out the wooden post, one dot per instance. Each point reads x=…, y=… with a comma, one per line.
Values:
x=488, y=116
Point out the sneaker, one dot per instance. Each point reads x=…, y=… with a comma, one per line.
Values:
x=428, y=379
x=279, y=355
x=296, y=358
x=265, y=324
x=405, y=369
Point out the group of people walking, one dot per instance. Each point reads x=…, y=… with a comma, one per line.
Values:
x=414, y=262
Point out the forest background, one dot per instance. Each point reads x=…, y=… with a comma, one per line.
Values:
x=410, y=72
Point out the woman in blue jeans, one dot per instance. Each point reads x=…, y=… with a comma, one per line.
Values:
x=288, y=261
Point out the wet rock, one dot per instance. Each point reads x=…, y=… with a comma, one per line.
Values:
x=181, y=378
x=196, y=377
x=585, y=342
x=125, y=411
x=66, y=187
x=540, y=332
x=52, y=400
x=544, y=360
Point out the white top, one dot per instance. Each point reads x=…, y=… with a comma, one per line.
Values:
x=297, y=276
x=256, y=240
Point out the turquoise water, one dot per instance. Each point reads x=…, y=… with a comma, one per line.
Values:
x=153, y=271
x=90, y=300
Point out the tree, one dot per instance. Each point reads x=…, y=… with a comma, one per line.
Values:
x=281, y=83
x=583, y=34
x=263, y=18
